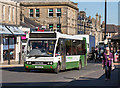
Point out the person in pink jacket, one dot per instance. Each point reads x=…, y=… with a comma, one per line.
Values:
x=107, y=63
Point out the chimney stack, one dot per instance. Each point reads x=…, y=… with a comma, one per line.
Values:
x=89, y=17
x=99, y=20
x=96, y=18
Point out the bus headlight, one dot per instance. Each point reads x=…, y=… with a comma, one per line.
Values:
x=49, y=63
x=28, y=62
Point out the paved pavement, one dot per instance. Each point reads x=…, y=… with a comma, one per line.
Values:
x=92, y=75
x=12, y=64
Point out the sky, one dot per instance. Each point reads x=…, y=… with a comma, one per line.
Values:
x=91, y=7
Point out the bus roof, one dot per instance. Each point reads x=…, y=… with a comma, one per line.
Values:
x=59, y=35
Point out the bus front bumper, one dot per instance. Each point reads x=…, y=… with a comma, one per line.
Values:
x=32, y=67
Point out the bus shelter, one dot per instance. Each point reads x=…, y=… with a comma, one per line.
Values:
x=9, y=43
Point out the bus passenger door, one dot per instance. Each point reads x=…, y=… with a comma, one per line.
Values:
x=63, y=54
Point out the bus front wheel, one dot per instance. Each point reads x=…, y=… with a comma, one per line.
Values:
x=57, y=68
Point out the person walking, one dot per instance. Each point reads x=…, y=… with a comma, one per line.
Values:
x=96, y=53
x=112, y=51
x=107, y=63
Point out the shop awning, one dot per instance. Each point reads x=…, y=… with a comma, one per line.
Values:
x=15, y=30
x=4, y=30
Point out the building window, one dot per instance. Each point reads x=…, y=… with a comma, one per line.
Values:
x=3, y=9
x=50, y=12
x=37, y=12
x=58, y=26
x=31, y=12
x=58, y=12
x=9, y=11
x=13, y=10
x=51, y=26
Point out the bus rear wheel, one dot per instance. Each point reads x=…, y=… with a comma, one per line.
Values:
x=80, y=65
x=57, y=68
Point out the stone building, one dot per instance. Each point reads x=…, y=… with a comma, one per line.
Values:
x=111, y=30
x=112, y=35
x=9, y=31
x=90, y=26
x=58, y=15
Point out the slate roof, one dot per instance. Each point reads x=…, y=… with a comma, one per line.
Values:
x=111, y=28
x=29, y=23
x=116, y=37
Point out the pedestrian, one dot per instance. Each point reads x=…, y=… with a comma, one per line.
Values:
x=100, y=54
x=112, y=51
x=107, y=63
x=96, y=53
x=116, y=56
x=93, y=51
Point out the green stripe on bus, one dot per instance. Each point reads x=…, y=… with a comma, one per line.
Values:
x=44, y=66
x=70, y=65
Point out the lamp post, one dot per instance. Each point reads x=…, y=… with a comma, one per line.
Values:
x=105, y=18
x=109, y=42
x=105, y=40
x=59, y=21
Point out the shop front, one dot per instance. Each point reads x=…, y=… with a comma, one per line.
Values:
x=10, y=43
x=4, y=34
x=8, y=47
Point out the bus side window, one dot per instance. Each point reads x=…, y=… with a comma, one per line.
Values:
x=74, y=47
x=81, y=48
x=68, y=47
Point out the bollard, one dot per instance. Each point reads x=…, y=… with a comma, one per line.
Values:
x=19, y=58
x=8, y=58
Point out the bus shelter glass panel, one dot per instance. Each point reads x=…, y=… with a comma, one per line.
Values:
x=5, y=48
x=11, y=48
x=41, y=48
x=8, y=45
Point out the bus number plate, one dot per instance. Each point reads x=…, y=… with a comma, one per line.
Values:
x=38, y=62
x=38, y=66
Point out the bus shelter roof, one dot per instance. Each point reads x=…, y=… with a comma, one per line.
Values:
x=4, y=30
x=15, y=30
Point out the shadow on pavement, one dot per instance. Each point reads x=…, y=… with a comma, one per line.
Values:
x=81, y=82
x=93, y=61
x=89, y=81
x=22, y=69
x=16, y=69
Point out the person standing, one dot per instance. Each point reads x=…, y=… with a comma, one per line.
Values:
x=96, y=53
x=107, y=63
x=112, y=51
